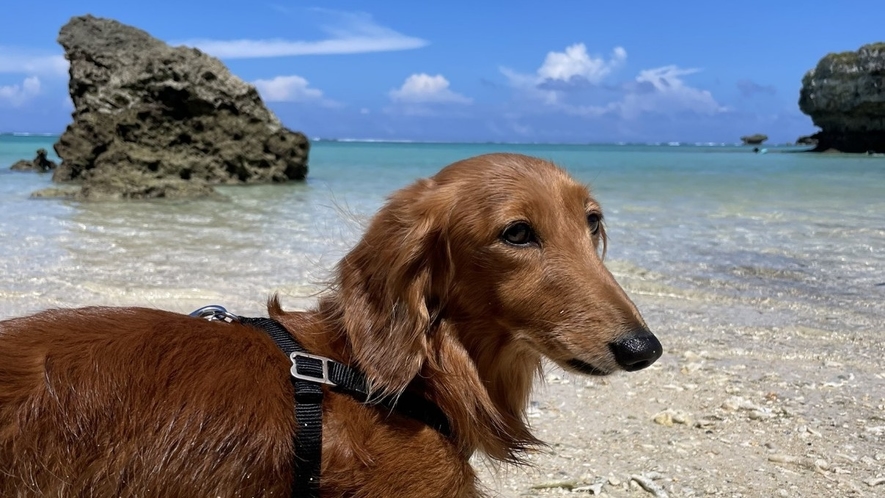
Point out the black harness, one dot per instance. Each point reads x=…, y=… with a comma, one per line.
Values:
x=308, y=374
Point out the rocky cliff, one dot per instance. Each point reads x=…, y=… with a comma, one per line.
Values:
x=152, y=120
x=845, y=97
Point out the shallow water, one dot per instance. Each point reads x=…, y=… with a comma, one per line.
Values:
x=783, y=238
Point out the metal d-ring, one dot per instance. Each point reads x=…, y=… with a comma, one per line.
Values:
x=215, y=313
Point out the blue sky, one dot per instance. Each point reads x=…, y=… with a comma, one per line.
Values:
x=555, y=71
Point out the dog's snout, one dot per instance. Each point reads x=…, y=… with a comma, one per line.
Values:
x=636, y=350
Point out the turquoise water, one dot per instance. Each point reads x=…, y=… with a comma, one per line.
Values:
x=798, y=237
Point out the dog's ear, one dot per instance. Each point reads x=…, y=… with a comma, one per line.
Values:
x=393, y=285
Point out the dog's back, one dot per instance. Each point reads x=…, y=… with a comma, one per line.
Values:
x=139, y=402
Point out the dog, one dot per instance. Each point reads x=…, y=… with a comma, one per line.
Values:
x=459, y=287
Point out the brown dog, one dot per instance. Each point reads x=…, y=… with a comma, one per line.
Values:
x=460, y=285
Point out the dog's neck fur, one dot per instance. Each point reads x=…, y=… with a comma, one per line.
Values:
x=489, y=409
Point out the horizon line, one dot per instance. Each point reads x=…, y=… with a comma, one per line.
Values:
x=652, y=143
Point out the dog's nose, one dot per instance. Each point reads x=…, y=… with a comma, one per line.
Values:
x=636, y=350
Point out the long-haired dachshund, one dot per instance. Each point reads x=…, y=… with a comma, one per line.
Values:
x=459, y=287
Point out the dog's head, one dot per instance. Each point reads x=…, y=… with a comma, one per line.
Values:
x=508, y=249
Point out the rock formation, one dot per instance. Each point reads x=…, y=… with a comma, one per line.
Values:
x=755, y=139
x=845, y=97
x=806, y=140
x=40, y=164
x=152, y=120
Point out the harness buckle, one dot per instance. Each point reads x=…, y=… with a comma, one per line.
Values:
x=311, y=360
x=215, y=313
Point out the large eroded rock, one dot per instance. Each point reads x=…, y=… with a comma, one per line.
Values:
x=152, y=120
x=845, y=97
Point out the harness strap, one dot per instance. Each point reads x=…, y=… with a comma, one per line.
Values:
x=308, y=373
x=308, y=438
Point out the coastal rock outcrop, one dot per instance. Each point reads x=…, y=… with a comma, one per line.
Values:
x=152, y=120
x=754, y=139
x=40, y=164
x=845, y=96
x=806, y=140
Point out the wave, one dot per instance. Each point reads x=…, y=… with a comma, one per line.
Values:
x=27, y=134
x=368, y=140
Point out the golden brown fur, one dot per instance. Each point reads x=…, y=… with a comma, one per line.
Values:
x=141, y=402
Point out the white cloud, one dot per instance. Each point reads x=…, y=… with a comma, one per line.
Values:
x=564, y=78
x=659, y=90
x=575, y=62
x=18, y=61
x=423, y=88
x=352, y=33
x=574, y=65
x=17, y=95
x=665, y=91
x=290, y=89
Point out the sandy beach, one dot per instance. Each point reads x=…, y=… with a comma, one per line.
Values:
x=734, y=408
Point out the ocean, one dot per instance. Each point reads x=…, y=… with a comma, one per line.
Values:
x=788, y=238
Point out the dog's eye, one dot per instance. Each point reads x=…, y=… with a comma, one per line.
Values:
x=519, y=234
x=593, y=221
